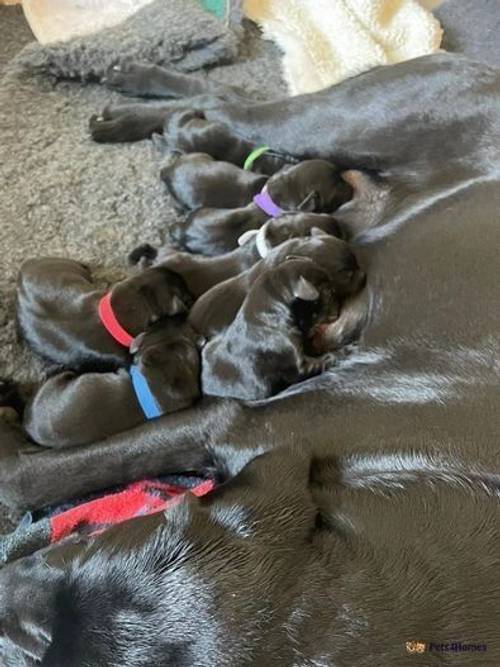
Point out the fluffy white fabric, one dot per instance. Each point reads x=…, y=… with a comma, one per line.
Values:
x=326, y=41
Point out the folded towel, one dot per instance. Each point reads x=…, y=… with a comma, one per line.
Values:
x=326, y=41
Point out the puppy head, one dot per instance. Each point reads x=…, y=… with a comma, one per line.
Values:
x=168, y=357
x=309, y=290
x=293, y=225
x=313, y=186
x=147, y=297
x=329, y=253
x=179, y=165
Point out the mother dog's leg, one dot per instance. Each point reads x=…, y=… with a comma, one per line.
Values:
x=133, y=122
x=158, y=82
x=31, y=476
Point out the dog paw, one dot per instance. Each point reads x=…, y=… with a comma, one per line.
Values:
x=314, y=365
x=328, y=361
x=119, y=124
x=127, y=122
x=143, y=255
x=110, y=125
x=127, y=78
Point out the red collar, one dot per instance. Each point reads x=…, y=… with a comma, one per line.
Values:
x=111, y=324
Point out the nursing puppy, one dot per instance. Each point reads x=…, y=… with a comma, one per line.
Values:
x=213, y=232
x=262, y=351
x=201, y=273
x=71, y=409
x=313, y=186
x=187, y=131
x=197, y=180
x=58, y=311
x=213, y=312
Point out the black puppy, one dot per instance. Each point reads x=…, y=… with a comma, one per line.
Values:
x=188, y=131
x=313, y=186
x=201, y=273
x=72, y=409
x=65, y=319
x=262, y=351
x=197, y=180
x=289, y=226
x=213, y=312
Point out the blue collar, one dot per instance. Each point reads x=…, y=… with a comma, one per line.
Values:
x=143, y=393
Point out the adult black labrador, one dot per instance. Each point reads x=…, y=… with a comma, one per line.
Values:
x=379, y=524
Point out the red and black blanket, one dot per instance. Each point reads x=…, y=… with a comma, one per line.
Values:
x=94, y=515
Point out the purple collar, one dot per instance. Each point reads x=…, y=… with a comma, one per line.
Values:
x=265, y=203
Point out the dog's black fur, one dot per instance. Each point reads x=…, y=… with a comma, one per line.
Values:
x=187, y=131
x=215, y=310
x=263, y=351
x=57, y=311
x=379, y=523
x=215, y=231
x=201, y=273
x=197, y=180
x=71, y=409
x=313, y=186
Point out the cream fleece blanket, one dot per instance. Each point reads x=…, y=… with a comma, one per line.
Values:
x=326, y=41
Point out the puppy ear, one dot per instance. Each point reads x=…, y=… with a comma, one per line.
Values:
x=247, y=236
x=317, y=231
x=177, y=306
x=136, y=343
x=305, y=290
x=310, y=203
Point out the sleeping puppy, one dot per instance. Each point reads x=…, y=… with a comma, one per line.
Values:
x=65, y=319
x=213, y=312
x=187, y=131
x=71, y=409
x=215, y=236
x=262, y=351
x=197, y=180
x=201, y=273
x=313, y=186
x=276, y=231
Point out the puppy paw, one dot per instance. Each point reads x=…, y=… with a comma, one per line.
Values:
x=314, y=365
x=127, y=78
x=143, y=255
x=328, y=361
